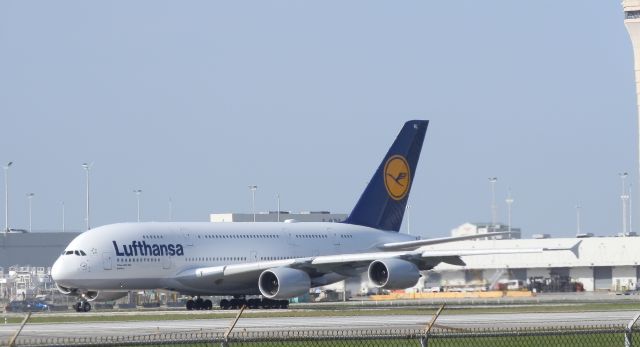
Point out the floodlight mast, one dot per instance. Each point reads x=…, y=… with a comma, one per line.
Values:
x=6, y=196
x=632, y=23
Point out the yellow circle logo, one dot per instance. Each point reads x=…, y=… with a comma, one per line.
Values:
x=397, y=177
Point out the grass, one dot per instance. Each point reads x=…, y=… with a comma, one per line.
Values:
x=105, y=316
x=577, y=340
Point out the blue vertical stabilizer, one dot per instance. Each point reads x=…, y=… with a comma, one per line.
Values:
x=383, y=202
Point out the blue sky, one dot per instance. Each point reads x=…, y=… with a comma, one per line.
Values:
x=195, y=100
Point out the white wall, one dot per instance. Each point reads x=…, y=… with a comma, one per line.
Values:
x=583, y=275
x=624, y=277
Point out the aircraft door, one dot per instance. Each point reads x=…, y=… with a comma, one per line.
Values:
x=107, y=260
x=166, y=263
x=335, y=240
x=253, y=256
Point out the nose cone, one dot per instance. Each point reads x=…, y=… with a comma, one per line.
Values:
x=57, y=270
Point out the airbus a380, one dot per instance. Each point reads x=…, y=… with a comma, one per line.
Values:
x=277, y=261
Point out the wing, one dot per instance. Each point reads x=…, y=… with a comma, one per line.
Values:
x=348, y=264
x=410, y=245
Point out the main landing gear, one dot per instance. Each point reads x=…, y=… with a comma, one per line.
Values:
x=238, y=302
x=199, y=304
x=82, y=306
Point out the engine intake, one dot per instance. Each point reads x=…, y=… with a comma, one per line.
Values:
x=283, y=283
x=393, y=273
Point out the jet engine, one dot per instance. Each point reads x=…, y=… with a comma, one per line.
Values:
x=393, y=273
x=283, y=283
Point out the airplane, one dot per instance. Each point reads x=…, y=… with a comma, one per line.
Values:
x=273, y=261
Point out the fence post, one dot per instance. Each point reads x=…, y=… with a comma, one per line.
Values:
x=225, y=342
x=628, y=332
x=12, y=342
x=424, y=340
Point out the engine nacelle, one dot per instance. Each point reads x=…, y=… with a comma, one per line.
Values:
x=283, y=283
x=393, y=273
x=91, y=295
x=65, y=290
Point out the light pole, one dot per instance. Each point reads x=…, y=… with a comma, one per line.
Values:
x=578, y=231
x=408, y=209
x=624, y=197
x=30, y=197
x=494, y=212
x=278, y=205
x=253, y=189
x=509, y=202
x=87, y=167
x=630, y=209
x=138, y=192
x=6, y=196
x=63, y=226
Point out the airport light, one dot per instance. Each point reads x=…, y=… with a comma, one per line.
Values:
x=408, y=209
x=278, y=205
x=138, y=192
x=30, y=197
x=624, y=197
x=87, y=167
x=6, y=196
x=578, y=232
x=630, y=209
x=509, y=202
x=63, y=226
x=253, y=189
x=494, y=211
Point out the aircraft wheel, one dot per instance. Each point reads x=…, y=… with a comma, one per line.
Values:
x=284, y=304
x=207, y=305
x=224, y=304
x=199, y=304
x=78, y=306
x=86, y=307
x=190, y=305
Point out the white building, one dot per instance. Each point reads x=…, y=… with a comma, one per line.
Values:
x=486, y=228
x=599, y=263
x=274, y=216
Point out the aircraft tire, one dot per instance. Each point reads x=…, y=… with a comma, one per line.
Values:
x=207, y=305
x=224, y=304
x=86, y=307
x=199, y=304
x=190, y=305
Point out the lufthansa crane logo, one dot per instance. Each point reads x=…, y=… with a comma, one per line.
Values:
x=397, y=177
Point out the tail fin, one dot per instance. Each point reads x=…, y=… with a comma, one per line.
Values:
x=383, y=202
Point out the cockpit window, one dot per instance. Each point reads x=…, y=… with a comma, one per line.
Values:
x=83, y=253
x=77, y=252
x=69, y=252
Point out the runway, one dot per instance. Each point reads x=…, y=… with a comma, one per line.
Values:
x=376, y=322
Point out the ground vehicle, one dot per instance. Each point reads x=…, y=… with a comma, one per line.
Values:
x=26, y=306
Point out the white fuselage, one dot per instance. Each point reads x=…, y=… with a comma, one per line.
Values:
x=138, y=256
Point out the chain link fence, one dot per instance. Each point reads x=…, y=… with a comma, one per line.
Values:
x=491, y=337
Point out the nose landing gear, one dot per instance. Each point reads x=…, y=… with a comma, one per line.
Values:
x=82, y=306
